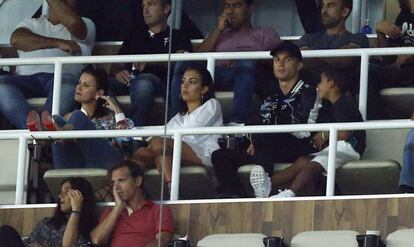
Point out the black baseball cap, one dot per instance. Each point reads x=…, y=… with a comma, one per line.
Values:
x=289, y=47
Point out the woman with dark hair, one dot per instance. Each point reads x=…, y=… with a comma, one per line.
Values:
x=98, y=112
x=74, y=218
x=199, y=108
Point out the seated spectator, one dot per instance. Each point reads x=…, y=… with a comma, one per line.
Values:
x=71, y=225
x=407, y=171
x=144, y=81
x=199, y=108
x=134, y=220
x=310, y=15
x=333, y=15
x=234, y=32
x=392, y=71
x=98, y=112
x=294, y=102
x=62, y=33
x=350, y=145
x=115, y=19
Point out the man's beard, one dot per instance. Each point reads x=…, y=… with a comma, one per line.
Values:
x=330, y=23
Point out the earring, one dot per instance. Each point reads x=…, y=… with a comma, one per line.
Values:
x=202, y=97
x=180, y=97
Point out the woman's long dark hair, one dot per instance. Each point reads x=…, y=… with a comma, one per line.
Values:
x=206, y=80
x=101, y=78
x=89, y=217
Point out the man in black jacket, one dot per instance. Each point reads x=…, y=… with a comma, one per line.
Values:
x=145, y=81
x=295, y=102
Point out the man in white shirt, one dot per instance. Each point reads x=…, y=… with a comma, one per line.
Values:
x=62, y=33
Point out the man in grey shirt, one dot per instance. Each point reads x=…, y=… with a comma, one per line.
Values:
x=334, y=14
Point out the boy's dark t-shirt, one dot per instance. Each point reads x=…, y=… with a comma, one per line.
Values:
x=345, y=110
x=405, y=21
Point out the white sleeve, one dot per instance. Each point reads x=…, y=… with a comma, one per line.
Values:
x=28, y=23
x=206, y=115
x=313, y=115
x=87, y=44
x=173, y=122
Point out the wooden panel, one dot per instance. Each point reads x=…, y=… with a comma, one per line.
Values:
x=24, y=220
x=271, y=218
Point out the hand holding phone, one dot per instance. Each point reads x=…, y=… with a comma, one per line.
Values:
x=223, y=22
x=109, y=103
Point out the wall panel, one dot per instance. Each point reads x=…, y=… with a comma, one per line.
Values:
x=283, y=218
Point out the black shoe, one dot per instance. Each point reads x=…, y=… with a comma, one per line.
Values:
x=406, y=188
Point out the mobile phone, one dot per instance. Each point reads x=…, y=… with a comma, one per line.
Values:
x=100, y=102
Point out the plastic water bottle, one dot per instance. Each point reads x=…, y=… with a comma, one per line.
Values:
x=367, y=28
x=134, y=72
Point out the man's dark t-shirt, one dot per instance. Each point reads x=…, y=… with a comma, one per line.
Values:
x=322, y=40
x=143, y=42
x=345, y=110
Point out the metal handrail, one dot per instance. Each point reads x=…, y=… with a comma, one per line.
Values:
x=211, y=58
x=333, y=128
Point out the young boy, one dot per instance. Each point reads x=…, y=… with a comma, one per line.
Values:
x=350, y=145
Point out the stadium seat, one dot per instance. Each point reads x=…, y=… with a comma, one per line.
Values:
x=232, y=240
x=398, y=102
x=95, y=176
x=226, y=102
x=195, y=183
x=401, y=238
x=325, y=239
x=385, y=144
x=368, y=177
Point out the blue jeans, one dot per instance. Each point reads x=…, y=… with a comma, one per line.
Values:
x=84, y=153
x=16, y=89
x=143, y=89
x=239, y=78
x=407, y=170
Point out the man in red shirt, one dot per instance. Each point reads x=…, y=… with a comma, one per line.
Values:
x=135, y=220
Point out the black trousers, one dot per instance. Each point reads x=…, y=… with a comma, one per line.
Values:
x=9, y=237
x=269, y=149
x=226, y=162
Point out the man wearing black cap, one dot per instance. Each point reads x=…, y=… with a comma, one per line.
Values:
x=294, y=102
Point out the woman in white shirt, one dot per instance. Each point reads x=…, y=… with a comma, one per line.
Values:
x=199, y=108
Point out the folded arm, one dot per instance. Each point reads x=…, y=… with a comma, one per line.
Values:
x=25, y=40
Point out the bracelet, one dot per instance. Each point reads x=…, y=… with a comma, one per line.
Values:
x=323, y=135
x=75, y=212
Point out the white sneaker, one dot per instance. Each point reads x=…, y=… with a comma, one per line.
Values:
x=284, y=194
x=260, y=182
